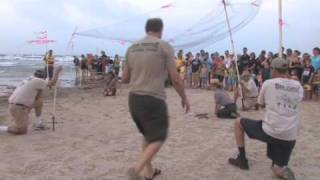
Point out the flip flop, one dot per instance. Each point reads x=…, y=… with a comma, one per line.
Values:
x=156, y=173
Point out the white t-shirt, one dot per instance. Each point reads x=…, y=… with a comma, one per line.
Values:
x=253, y=89
x=27, y=91
x=281, y=97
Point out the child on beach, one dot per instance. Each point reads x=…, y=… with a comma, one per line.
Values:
x=307, y=76
x=204, y=76
x=232, y=76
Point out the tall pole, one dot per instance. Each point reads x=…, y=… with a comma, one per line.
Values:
x=232, y=44
x=47, y=65
x=280, y=29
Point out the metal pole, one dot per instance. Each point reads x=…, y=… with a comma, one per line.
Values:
x=280, y=29
x=54, y=106
x=232, y=44
x=47, y=64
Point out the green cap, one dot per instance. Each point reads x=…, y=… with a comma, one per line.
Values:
x=279, y=63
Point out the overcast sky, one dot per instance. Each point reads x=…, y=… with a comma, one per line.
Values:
x=20, y=19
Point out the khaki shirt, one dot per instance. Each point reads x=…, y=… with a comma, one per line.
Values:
x=148, y=61
x=27, y=91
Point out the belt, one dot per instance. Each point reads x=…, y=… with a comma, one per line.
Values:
x=22, y=105
x=251, y=97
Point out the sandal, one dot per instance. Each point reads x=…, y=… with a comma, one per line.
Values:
x=156, y=173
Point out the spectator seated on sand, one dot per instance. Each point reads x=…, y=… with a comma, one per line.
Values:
x=224, y=106
x=111, y=85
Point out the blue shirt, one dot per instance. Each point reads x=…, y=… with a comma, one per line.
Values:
x=316, y=62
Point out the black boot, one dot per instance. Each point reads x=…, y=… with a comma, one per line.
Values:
x=239, y=162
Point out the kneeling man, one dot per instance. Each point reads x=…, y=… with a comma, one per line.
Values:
x=26, y=96
x=279, y=129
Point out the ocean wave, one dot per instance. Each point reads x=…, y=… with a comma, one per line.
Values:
x=8, y=64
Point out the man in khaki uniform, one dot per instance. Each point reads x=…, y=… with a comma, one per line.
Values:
x=26, y=96
x=147, y=65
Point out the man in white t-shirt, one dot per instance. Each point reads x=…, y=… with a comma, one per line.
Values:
x=279, y=129
x=26, y=96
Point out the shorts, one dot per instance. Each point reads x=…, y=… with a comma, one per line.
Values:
x=279, y=151
x=50, y=69
x=227, y=111
x=150, y=115
x=196, y=77
x=20, y=116
x=232, y=81
x=220, y=77
x=250, y=102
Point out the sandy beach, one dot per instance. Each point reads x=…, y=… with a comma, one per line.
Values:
x=96, y=139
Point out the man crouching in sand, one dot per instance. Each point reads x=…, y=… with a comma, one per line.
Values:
x=25, y=97
x=279, y=129
x=146, y=67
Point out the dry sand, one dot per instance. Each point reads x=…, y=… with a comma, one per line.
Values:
x=97, y=139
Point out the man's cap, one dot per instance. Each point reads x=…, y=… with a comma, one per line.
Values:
x=279, y=63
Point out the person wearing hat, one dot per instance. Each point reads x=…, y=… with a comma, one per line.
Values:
x=281, y=97
x=224, y=106
x=250, y=92
x=25, y=97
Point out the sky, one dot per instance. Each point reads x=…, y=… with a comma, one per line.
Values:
x=21, y=19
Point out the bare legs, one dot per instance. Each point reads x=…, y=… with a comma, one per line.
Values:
x=144, y=164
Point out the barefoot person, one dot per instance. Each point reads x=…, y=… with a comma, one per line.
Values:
x=146, y=66
x=26, y=96
x=281, y=97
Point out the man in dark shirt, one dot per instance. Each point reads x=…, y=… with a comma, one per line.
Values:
x=244, y=60
x=195, y=66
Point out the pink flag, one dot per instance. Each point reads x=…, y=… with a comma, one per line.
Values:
x=282, y=22
x=45, y=36
x=122, y=42
x=41, y=41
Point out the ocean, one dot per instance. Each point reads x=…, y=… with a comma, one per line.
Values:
x=15, y=68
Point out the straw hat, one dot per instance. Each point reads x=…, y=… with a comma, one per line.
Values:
x=246, y=76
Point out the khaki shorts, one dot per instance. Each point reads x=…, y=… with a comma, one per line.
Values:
x=20, y=116
x=249, y=103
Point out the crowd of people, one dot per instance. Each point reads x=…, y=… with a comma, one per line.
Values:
x=198, y=70
x=94, y=67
